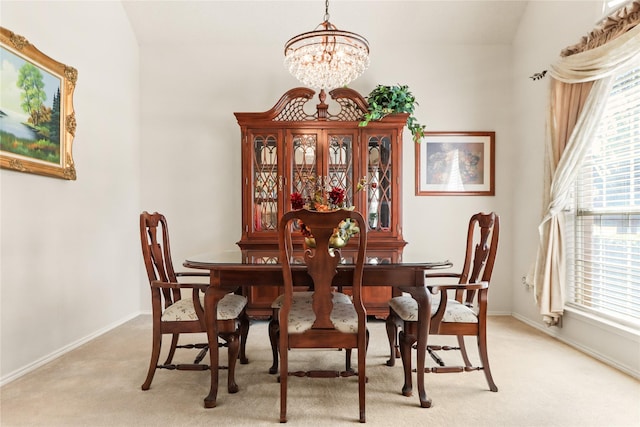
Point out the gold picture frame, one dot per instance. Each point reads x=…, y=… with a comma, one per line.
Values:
x=37, y=120
x=456, y=163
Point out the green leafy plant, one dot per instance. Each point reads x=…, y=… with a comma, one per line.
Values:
x=385, y=100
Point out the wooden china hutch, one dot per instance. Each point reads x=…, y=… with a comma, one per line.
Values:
x=285, y=147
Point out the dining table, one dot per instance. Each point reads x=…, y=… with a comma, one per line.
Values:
x=231, y=271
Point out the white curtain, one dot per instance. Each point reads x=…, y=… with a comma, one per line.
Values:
x=598, y=65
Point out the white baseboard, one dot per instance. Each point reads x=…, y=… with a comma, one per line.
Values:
x=499, y=313
x=52, y=356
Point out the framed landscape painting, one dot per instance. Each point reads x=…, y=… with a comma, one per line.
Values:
x=456, y=163
x=37, y=121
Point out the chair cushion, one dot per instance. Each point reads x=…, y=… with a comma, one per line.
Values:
x=407, y=309
x=307, y=296
x=229, y=307
x=343, y=317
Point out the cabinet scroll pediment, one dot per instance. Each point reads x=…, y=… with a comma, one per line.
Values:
x=345, y=105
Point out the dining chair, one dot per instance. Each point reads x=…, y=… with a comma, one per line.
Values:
x=464, y=313
x=174, y=314
x=321, y=321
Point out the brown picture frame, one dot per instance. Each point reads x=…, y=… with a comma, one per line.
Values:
x=455, y=163
x=37, y=119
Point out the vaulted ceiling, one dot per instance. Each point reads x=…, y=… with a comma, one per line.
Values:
x=267, y=22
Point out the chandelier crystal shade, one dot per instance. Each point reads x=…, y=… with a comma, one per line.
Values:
x=326, y=58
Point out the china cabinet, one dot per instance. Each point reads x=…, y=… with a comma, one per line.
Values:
x=294, y=144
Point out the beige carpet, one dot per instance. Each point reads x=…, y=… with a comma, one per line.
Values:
x=542, y=382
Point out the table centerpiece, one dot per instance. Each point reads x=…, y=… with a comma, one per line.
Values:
x=325, y=199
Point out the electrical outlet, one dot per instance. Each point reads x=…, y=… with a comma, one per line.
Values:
x=526, y=283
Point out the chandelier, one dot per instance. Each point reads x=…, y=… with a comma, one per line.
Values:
x=326, y=58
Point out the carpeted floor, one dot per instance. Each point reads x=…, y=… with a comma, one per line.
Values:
x=542, y=382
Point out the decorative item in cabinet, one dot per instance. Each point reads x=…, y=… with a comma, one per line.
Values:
x=380, y=174
x=287, y=146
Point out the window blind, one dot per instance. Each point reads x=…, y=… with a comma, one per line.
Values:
x=605, y=272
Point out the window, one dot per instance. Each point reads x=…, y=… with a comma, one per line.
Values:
x=613, y=5
x=604, y=259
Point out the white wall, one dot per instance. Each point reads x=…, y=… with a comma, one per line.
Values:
x=70, y=249
x=543, y=33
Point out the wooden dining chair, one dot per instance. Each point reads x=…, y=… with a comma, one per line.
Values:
x=320, y=321
x=463, y=315
x=174, y=314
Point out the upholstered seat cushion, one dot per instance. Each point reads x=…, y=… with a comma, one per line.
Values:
x=301, y=316
x=307, y=297
x=229, y=307
x=407, y=308
x=343, y=317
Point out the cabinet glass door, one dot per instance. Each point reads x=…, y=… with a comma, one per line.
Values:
x=340, y=170
x=379, y=177
x=266, y=182
x=305, y=176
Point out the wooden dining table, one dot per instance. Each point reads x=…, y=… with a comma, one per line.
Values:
x=230, y=272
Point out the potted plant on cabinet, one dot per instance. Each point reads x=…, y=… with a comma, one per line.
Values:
x=385, y=100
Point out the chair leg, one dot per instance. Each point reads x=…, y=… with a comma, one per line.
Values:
x=284, y=373
x=362, y=379
x=348, y=352
x=484, y=358
x=244, y=334
x=392, y=334
x=274, y=329
x=233, y=348
x=172, y=349
x=155, y=356
x=406, y=341
x=463, y=351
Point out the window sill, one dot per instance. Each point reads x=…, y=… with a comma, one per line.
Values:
x=624, y=330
